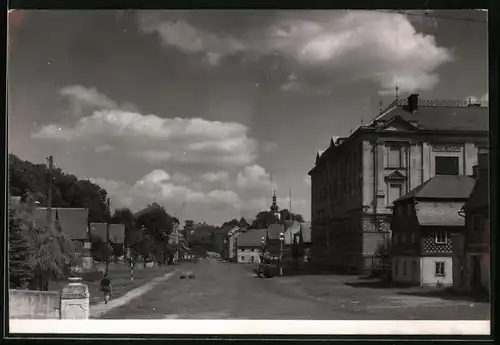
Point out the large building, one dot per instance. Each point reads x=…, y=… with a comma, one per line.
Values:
x=356, y=180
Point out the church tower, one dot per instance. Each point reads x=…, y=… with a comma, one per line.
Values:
x=274, y=207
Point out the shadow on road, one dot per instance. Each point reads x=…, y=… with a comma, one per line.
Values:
x=451, y=295
x=376, y=284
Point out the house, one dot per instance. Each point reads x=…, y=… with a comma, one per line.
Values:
x=356, y=179
x=74, y=224
x=233, y=234
x=249, y=245
x=472, y=253
x=422, y=226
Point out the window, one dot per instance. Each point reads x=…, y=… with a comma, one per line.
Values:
x=441, y=237
x=403, y=238
x=394, y=157
x=252, y=250
x=446, y=165
x=413, y=238
x=404, y=268
x=242, y=258
x=440, y=272
x=395, y=192
x=396, y=267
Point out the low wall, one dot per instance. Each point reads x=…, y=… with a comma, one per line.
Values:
x=29, y=304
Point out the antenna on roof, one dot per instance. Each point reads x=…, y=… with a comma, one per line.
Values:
x=397, y=91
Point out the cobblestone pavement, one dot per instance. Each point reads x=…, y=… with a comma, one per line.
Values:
x=231, y=291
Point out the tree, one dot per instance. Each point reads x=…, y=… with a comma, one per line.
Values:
x=126, y=217
x=19, y=253
x=383, y=255
x=158, y=225
x=50, y=250
x=263, y=220
x=101, y=251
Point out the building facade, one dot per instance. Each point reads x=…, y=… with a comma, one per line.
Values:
x=357, y=179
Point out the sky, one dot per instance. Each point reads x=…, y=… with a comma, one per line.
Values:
x=206, y=112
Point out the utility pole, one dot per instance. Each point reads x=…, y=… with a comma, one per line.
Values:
x=49, y=192
x=108, y=244
x=291, y=215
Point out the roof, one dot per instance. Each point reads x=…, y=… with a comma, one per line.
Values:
x=448, y=118
x=251, y=238
x=430, y=116
x=439, y=213
x=274, y=231
x=98, y=230
x=74, y=221
x=442, y=187
x=479, y=197
x=291, y=231
x=117, y=233
x=305, y=228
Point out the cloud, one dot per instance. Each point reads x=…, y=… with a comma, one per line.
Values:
x=337, y=46
x=84, y=100
x=221, y=176
x=213, y=206
x=155, y=139
x=254, y=177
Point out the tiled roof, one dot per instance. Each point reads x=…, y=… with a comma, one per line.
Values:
x=251, y=238
x=117, y=233
x=450, y=118
x=98, y=230
x=74, y=221
x=274, y=230
x=442, y=187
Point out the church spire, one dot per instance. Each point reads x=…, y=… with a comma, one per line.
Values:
x=274, y=206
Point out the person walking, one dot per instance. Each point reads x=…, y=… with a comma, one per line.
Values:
x=106, y=288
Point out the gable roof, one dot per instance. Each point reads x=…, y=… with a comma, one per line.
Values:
x=442, y=187
x=251, y=238
x=398, y=123
x=439, y=213
x=73, y=221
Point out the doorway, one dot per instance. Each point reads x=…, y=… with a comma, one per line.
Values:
x=476, y=271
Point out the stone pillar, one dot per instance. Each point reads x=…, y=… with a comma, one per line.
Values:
x=88, y=260
x=75, y=299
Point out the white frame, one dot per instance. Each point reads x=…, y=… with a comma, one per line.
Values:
x=439, y=264
x=445, y=236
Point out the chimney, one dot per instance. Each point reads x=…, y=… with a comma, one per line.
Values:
x=413, y=102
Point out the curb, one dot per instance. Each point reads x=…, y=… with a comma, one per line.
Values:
x=100, y=309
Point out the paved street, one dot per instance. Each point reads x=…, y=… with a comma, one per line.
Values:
x=230, y=291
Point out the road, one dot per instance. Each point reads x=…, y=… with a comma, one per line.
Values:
x=231, y=291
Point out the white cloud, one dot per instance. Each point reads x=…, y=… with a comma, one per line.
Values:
x=254, y=177
x=221, y=176
x=153, y=138
x=213, y=206
x=340, y=45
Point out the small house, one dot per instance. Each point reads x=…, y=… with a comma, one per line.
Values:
x=423, y=223
x=249, y=245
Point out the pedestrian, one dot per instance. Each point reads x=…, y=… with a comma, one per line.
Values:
x=106, y=288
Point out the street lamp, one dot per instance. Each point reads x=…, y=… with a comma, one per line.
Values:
x=282, y=239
